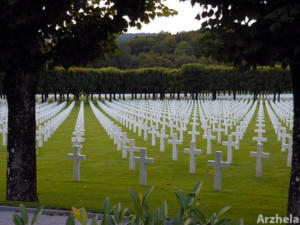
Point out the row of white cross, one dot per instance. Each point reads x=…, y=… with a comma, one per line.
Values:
x=46, y=112
x=132, y=123
x=49, y=127
x=3, y=123
x=77, y=141
x=280, y=130
x=192, y=150
x=120, y=138
x=239, y=135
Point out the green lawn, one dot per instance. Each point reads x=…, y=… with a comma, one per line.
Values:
x=105, y=173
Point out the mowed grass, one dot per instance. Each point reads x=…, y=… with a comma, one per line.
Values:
x=105, y=173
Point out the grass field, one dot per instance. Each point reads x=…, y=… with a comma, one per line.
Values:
x=105, y=173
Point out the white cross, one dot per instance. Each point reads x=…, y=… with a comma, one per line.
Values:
x=164, y=123
x=131, y=149
x=194, y=123
x=143, y=160
x=209, y=137
x=260, y=132
x=259, y=156
x=172, y=126
x=229, y=145
x=117, y=134
x=45, y=132
x=226, y=125
x=236, y=134
x=194, y=132
x=123, y=141
x=78, y=133
x=181, y=128
x=153, y=133
x=259, y=139
x=77, y=141
x=162, y=137
x=289, y=146
x=284, y=135
x=278, y=131
x=219, y=164
x=76, y=158
x=134, y=125
x=4, y=136
x=175, y=142
x=260, y=125
x=40, y=136
x=205, y=127
x=145, y=128
x=140, y=127
x=219, y=130
x=192, y=151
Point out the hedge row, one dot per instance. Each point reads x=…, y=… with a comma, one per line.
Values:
x=190, y=78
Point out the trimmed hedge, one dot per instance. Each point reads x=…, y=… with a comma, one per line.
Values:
x=190, y=78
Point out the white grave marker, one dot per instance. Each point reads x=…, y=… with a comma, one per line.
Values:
x=143, y=160
x=76, y=157
x=219, y=164
x=175, y=142
x=192, y=151
x=162, y=137
x=209, y=137
x=229, y=145
x=259, y=156
x=131, y=149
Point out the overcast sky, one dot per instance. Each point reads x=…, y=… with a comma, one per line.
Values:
x=184, y=21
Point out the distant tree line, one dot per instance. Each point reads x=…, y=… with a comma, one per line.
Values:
x=193, y=79
x=157, y=50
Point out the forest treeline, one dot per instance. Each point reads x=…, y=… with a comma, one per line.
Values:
x=195, y=79
x=157, y=50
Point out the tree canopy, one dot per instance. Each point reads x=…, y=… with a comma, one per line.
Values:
x=36, y=33
x=259, y=32
x=162, y=49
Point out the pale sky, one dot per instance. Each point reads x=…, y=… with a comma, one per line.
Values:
x=184, y=21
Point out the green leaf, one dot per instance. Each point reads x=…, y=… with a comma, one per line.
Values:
x=197, y=188
x=222, y=211
x=107, y=206
x=94, y=221
x=213, y=218
x=136, y=201
x=117, y=213
x=189, y=221
x=190, y=199
x=76, y=213
x=147, y=195
x=240, y=222
x=108, y=220
x=200, y=215
x=70, y=220
x=181, y=198
x=178, y=219
x=24, y=214
x=223, y=222
x=164, y=209
x=84, y=217
x=37, y=214
x=18, y=220
x=124, y=213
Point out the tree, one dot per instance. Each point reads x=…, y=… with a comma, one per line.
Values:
x=166, y=43
x=255, y=33
x=184, y=48
x=66, y=32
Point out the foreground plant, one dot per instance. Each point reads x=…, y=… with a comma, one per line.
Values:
x=188, y=213
x=22, y=219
